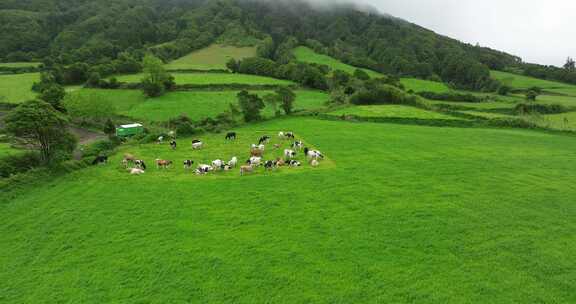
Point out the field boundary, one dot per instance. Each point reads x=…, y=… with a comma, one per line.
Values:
x=213, y=87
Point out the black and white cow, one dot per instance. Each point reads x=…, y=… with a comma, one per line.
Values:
x=188, y=164
x=289, y=153
x=173, y=144
x=269, y=165
x=264, y=140
x=313, y=154
x=294, y=163
x=100, y=160
x=203, y=169
x=140, y=164
x=297, y=145
x=231, y=136
x=197, y=144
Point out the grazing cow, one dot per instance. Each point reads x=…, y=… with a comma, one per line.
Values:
x=197, y=145
x=286, y=135
x=294, y=163
x=256, y=152
x=255, y=161
x=314, y=163
x=100, y=160
x=233, y=162
x=203, y=169
x=160, y=163
x=289, y=153
x=188, y=164
x=264, y=140
x=271, y=164
x=160, y=140
x=136, y=171
x=231, y=136
x=140, y=164
x=313, y=154
x=297, y=145
x=246, y=169
x=280, y=162
x=217, y=164
x=173, y=145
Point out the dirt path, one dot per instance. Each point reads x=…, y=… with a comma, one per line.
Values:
x=86, y=137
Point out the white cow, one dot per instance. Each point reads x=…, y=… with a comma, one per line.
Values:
x=255, y=161
x=197, y=145
x=217, y=164
x=136, y=171
x=233, y=162
x=289, y=153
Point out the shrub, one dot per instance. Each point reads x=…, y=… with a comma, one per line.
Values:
x=452, y=96
x=14, y=164
x=384, y=94
x=530, y=108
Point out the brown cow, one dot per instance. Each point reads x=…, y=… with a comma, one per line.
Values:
x=246, y=169
x=160, y=163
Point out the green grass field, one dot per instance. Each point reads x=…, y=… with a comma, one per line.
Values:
x=419, y=85
x=407, y=214
x=7, y=150
x=214, y=57
x=524, y=82
x=197, y=105
x=305, y=54
x=396, y=111
x=19, y=64
x=15, y=88
x=212, y=78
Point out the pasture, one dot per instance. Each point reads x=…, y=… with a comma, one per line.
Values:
x=215, y=147
x=305, y=54
x=525, y=82
x=7, y=150
x=196, y=104
x=19, y=64
x=419, y=85
x=212, y=78
x=16, y=88
x=214, y=57
x=407, y=214
x=391, y=111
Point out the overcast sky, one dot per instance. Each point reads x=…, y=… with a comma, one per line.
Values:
x=540, y=31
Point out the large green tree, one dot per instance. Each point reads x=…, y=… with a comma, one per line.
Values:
x=39, y=126
x=250, y=105
x=157, y=79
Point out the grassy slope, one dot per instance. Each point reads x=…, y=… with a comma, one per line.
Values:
x=6, y=150
x=211, y=78
x=524, y=82
x=196, y=105
x=306, y=54
x=398, y=111
x=19, y=64
x=419, y=85
x=409, y=214
x=210, y=58
x=18, y=87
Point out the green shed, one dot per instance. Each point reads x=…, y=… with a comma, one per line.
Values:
x=129, y=130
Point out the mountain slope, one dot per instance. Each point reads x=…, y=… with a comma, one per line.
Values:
x=95, y=32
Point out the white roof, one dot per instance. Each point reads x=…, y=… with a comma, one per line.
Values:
x=136, y=125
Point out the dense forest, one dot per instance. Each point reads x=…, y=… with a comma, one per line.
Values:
x=112, y=36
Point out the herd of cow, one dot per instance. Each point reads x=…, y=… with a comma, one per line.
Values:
x=137, y=166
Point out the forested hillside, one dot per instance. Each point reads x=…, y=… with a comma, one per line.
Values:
x=109, y=35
